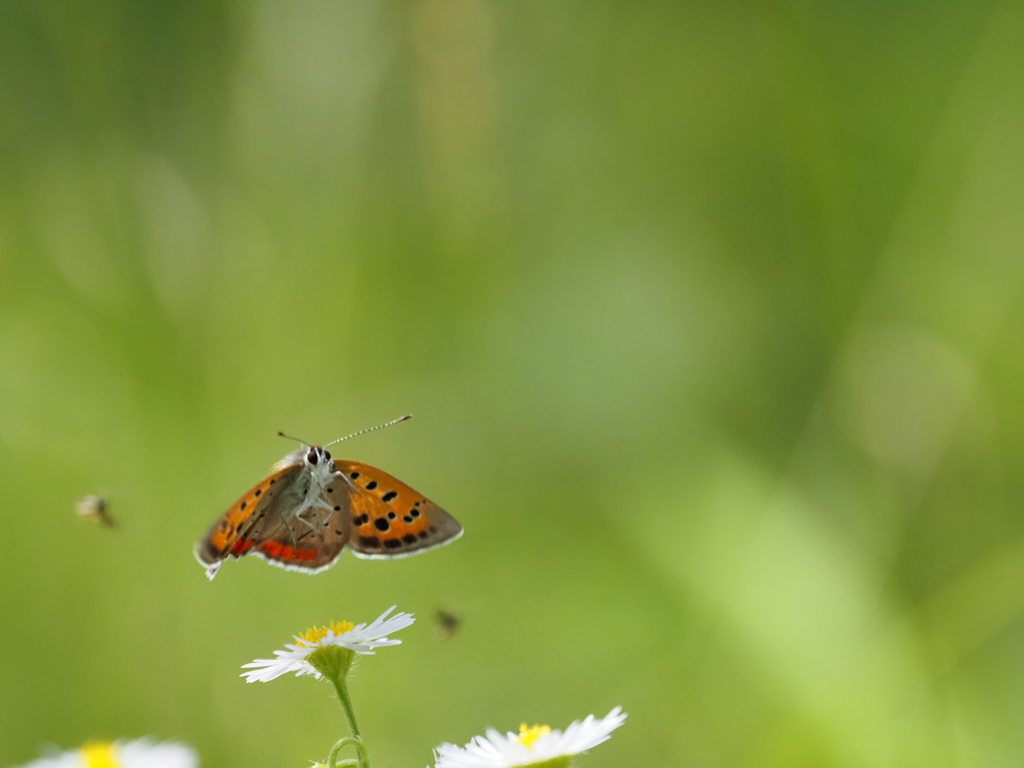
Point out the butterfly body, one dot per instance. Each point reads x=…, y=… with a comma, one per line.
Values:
x=302, y=515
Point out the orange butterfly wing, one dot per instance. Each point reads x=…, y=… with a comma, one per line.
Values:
x=390, y=519
x=226, y=536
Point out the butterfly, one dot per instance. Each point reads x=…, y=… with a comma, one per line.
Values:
x=301, y=515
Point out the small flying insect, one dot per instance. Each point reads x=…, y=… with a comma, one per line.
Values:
x=94, y=509
x=448, y=623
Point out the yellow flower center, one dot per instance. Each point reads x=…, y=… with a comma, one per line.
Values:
x=99, y=754
x=529, y=735
x=313, y=636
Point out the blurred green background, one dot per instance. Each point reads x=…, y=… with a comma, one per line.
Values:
x=709, y=313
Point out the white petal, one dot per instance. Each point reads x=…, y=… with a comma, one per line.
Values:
x=56, y=759
x=495, y=750
x=269, y=669
x=361, y=639
x=144, y=753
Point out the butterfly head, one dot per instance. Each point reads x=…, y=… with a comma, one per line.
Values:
x=316, y=456
x=318, y=462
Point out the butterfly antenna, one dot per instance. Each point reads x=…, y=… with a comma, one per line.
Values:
x=371, y=429
x=289, y=437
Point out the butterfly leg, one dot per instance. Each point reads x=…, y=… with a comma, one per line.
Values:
x=284, y=519
x=313, y=527
x=321, y=523
x=344, y=477
x=320, y=504
x=317, y=505
x=318, y=525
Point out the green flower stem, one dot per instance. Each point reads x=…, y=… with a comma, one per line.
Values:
x=334, y=663
x=333, y=756
x=346, y=704
x=356, y=739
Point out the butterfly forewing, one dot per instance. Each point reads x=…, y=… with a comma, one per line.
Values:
x=228, y=535
x=390, y=519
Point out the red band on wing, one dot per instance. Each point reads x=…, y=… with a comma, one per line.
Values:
x=287, y=552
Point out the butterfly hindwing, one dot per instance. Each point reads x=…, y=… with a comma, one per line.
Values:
x=227, y=535
x=310, y=543
x=389, y=519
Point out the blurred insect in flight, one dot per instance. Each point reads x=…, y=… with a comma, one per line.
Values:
x=448, y=623
x=94, y=509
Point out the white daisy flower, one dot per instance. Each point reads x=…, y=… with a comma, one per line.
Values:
x=141, y=753
x=361, y=638
x=538, y=745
